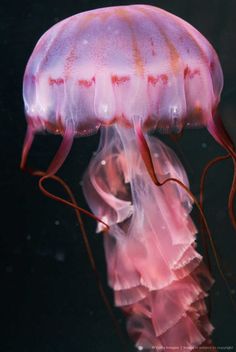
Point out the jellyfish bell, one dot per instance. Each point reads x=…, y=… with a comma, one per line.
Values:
x=109, y=65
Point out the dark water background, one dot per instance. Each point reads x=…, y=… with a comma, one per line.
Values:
x=49, y=300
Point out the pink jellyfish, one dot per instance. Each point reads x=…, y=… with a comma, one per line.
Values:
x=129, y=70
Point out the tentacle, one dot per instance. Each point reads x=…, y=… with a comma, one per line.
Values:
x=61, y=154
x=29, y=138
x=218, y=131
x=205, y=171
x=145, y=153
x=53, y=168
x=210, y=164
x=44, y=176
x=201, y=199
x=88, y=248
x=63, y=150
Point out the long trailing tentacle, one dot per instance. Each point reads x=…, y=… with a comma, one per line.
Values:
x=147, y=159
x=44, y=176
x=73, y=203
x=210, y=164
x=218, y=131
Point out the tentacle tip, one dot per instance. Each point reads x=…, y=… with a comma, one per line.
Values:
x=23, y=164
x=29, y=137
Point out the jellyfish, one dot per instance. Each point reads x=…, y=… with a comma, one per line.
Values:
x=128, y=71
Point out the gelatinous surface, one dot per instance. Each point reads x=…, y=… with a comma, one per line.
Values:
x=115, y=63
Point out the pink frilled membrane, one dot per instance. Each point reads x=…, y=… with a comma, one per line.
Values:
x=120, y=69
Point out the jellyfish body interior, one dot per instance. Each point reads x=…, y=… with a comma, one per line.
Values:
x=128, y=70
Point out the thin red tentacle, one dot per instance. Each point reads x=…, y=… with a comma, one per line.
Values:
x=210, y=164
x=218, y=131
x=63, y=151
x=88, y=248
x=44, y=176
x=29, y=138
